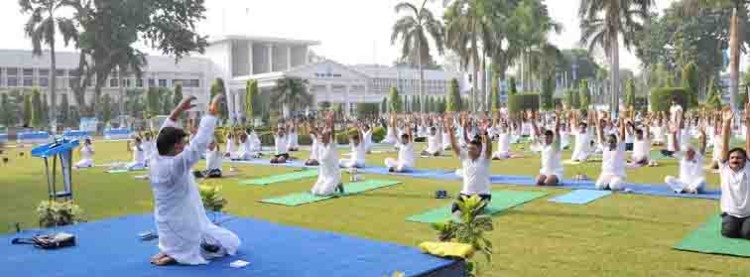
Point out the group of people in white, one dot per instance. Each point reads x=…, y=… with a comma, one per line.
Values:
x=186, y=236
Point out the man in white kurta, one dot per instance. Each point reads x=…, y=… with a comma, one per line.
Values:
x=581, y=150
x=87, y=155
x=613, y=165
x=183, y=228
x=405, y=160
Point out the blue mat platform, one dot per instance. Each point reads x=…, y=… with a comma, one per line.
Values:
x=111, y=248
x=580, y=196
x=415, y=173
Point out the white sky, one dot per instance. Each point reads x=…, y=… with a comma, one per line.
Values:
x=350, y=31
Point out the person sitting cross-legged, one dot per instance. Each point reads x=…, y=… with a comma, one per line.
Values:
x=734, y=175
x=475, y=166
x=552, y=169
x=691, y=178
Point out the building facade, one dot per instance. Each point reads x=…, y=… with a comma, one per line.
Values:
x=235, y=59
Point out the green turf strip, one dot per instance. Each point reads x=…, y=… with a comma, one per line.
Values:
x=708, y=239
x=301, y=198
x=280, y=178
x=501, y=200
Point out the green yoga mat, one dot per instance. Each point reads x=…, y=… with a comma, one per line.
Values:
x=501, y=200
x=297, y=199
x=291, y=176
x=708, y=239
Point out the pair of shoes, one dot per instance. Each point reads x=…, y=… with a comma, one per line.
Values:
x=340, y=188
x=391, y=169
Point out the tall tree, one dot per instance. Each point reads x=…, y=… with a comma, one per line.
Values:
x=251, y=94
x=27, y=110
x=177, y=96
x=64, y=115
x=43, y=26
x=107, y=107
x=36, y=109
x=629, y=93
x=166, y=101
x=713, y=100
x=6, y=114
x=690, y=83
x=548, y=89
x=603, y=23
x=495, y=94
x=153, y=105
x=585, y=94
x=512, y=86
x=217, y=88
x=395, y=101
x=291, y=94
x=413, y=30
x=454, y=97
x=110, y=28
x=384, y=105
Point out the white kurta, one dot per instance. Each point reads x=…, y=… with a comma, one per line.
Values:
x=582, y=146
x=314, y=148
x=181, y=221
x=231, y=149
x=87, y=156
x=329, y=175
x=213, y=159
x=254, y=141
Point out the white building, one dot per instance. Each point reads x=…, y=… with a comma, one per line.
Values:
x=235, y=59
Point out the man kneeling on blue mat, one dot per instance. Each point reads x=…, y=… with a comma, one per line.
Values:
x=475, y=165
x=734, y=175
x=186, y=235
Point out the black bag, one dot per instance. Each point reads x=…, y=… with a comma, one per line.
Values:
x=51, y=241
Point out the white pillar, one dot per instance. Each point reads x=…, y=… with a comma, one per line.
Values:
x=270, y=57
x=288, y=57
x=250, y=57
x=329, y=92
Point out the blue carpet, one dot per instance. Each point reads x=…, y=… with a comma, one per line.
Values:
x=415, y=173
x=111, y=248
x=581, y=196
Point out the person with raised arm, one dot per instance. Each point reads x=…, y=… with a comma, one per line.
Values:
x=185, y=233
x=691, y=178
x=475, y=166
x=582, y=147
x=329, y=176
x=641, y=155
x=734, y=175
x=613, y=158
x=405, y=161
x=551, y=172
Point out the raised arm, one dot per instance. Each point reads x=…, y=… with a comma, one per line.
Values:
x=599, y=130
x=202, y=138
x=702, y=130
x=448, y=122
x=486, y=141
x=726, y=130
x=621, y=133
x=534, y=128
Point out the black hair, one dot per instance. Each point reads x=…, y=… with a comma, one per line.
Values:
x=549, y=133
x=583, y=125
x=612, y=136
x=476, y=141
x=168, y=137
x=405, y=136
x=737, y=149
x=639, y=131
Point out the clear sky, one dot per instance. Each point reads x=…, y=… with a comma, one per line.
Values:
x=350, y=31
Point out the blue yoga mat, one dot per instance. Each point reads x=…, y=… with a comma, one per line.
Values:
x=111, y=248
x=642, y=189
x=416, y=173
x=581, y=196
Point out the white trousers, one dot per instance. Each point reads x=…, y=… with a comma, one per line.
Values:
x=350, y=163
x=85, y=163
x=610, y=181
x=679, y=186
x=397, y=165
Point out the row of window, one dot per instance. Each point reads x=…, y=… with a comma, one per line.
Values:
x=13, y=81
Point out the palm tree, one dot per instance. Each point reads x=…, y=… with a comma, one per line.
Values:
x=472, y=28
x=531, y=23
x=603, y=22
x=291, y=93
x=42, y=27
x=412, y=30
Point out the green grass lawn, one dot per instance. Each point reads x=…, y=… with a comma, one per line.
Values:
x=620, y=235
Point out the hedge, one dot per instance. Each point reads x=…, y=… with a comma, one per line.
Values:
x=520, y=102
x=661, y=99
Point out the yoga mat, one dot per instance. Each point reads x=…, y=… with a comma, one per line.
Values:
x=415, y=173
x=112, y=248
x=280, y=178
x=581, y=196
x=301, y=198
x=708, y=239
x=118, y=171
x=501, y=200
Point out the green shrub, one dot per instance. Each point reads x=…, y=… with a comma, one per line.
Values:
x=55, y=213
x=471, y=227
x=661, y=98
x=211, y=197
x=520, y=102
x=378, y=133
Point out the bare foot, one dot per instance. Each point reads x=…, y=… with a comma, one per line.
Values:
x=157, y=257
x=166, y=260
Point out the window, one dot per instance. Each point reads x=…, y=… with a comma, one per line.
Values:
x=12, y=81
x=28, y=72
x=113, y=83
x=60, y=72
x=28, y=82
x=139, y=82
x=151, y=83
x=163, y=83
x=43, y=81
x=43, y=72
x=12, y=71
x=126, y=83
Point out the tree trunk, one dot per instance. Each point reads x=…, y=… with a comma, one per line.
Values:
x=734, y=63
x=53, y=87
x=475, y=82
x=615, y=73
x=421, y=76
